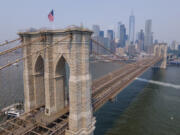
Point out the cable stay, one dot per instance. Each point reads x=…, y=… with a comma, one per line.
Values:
x=122, y=58
x=18, y=47
x=101, y=45
x=21, y=59
x=8, y=42
x=104, y=57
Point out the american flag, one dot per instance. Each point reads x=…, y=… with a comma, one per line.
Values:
x=51, y=16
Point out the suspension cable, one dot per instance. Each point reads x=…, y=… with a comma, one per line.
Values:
x=126, y=64
x=106, y=58
x=8, y=42
x=98, y=43
x=17, y=47
x=18, y=60
x=101, y=45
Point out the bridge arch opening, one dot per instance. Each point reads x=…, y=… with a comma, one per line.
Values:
x=156, y=50
x=39, y=82
x=62, y=73
x=162, y=52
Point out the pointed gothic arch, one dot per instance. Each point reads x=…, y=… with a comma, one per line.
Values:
x=39, y=82
x=62, y=84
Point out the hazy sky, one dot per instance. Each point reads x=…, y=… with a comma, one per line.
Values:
x=17, y=15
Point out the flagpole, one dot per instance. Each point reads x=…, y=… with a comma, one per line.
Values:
x=52, y=25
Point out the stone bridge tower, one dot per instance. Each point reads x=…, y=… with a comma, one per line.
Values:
x=58, y=77
x=160, y=50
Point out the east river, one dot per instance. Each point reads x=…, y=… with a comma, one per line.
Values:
x=140, y=109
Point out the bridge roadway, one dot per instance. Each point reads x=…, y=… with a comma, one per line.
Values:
x=103, y=90
x=107, y=87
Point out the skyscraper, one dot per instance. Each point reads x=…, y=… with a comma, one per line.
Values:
x=96, y=34
x=131, y=28
x=148, y=39
x=141, y=40
x=96, y=30
x=110, y=34
x=123, y=35
x=101, y=34
x=118, y=31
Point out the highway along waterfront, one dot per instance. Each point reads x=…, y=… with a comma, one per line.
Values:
x=143, y=108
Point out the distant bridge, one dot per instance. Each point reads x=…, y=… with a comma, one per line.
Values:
x=60, y=97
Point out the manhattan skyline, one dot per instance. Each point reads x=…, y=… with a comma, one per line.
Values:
x=20, y=15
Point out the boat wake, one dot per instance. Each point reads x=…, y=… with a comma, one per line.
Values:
x=159, y=83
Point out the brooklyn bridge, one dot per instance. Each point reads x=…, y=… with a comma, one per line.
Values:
x=59, y=94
